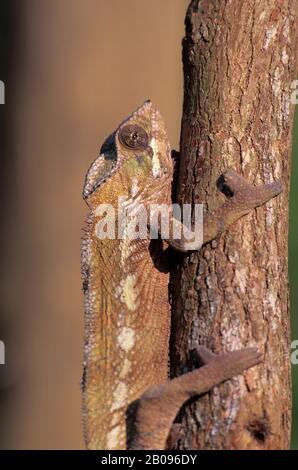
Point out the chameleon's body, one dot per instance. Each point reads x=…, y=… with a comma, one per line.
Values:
x=127, y=309
x=127, y=313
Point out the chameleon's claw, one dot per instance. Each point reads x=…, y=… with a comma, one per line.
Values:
x=234, y=185
x=231, y=183
x=242, y=197
x=238, y=360
x=235, y=362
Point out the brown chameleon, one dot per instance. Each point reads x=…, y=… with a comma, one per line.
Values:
x=128, y=400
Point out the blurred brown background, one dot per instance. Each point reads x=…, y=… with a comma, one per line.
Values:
x=76, y=69
x=73, y=69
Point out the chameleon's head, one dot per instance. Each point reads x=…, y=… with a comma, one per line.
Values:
x=139, y=150
x=142, y=139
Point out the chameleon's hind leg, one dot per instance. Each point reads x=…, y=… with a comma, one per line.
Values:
x=156, y=409
x=203, y=356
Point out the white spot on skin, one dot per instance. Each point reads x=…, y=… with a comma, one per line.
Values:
x=126, y=338
x=124, y=243
x=113, y=438
x=118, y=292
x=155, y=159
x=129, y=292
x=119, y=396
x=134, y=187
x=125, y=368
x=269, y=36
x=262, y=16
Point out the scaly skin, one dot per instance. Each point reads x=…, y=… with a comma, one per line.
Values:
x=127, y=308
x=127, y=313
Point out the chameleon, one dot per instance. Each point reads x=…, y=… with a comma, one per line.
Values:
x=128, y=401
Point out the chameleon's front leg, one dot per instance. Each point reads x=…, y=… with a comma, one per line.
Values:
x=158, y=406
x=241, y=196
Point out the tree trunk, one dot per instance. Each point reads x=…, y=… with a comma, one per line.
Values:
x=239, y=62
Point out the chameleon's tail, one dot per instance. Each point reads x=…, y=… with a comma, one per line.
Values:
x=157, y=408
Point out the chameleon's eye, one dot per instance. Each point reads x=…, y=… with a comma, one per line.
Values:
x=133, y=137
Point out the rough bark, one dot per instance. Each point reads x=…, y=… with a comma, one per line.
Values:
x=239, y=62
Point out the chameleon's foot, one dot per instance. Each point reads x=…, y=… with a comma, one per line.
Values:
x=158, y=406
x=234, y=362
x=241, y=198
x=235, y=187
x=250, y=356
